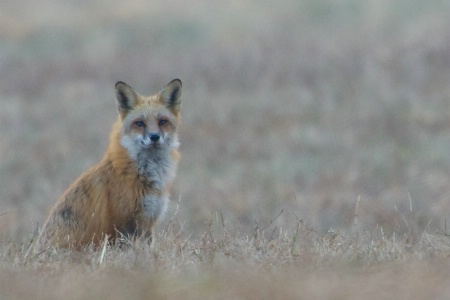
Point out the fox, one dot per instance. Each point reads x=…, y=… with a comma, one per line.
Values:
x=127, y=192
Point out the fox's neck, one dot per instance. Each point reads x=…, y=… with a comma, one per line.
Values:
x=156, y=165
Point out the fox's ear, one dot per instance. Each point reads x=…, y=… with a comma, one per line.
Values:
x=126, y=98
x=171, y=95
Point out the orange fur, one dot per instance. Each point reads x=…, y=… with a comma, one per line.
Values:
x=127, y=191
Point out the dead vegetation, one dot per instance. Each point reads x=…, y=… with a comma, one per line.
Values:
x=222, y=264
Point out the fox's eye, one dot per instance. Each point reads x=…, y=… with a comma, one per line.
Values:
x=139, y=124
x=162, y=122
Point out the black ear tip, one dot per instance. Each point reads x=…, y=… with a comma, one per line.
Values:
x=120, y=83
x=178, y=81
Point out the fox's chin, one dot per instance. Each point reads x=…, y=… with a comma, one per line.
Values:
x=151, y=145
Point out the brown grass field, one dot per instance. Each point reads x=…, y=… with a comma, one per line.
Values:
x=315, y=146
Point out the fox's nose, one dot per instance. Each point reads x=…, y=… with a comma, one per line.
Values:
x=154, y=137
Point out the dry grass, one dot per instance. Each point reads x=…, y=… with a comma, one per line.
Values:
x=334, y=113
x=297, y=264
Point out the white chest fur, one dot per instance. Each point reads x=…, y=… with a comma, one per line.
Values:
x=154, y=206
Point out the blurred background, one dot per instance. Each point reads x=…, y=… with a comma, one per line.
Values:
x=299, y=107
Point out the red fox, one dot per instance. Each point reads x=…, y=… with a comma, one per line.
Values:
x=127, y=192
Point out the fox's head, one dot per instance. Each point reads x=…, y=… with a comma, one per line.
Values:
x=149, y=123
